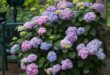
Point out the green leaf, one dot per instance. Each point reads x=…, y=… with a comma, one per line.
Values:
x=62, y=73
x=72, y=55
x=19, y=41
x=57, y=45
x=80, y=63
x=93, y=32
x=41, y=62
x=76, y=72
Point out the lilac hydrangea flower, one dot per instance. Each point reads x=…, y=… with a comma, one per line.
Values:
x=65, y=43
x=52, y=56
x=29, y=25
x=83, y=53
x=62, y=5
x=93, y=46
x=52, y=17
x=35, y=42
x=80, y=30
x=100, y=55
x=67, y=64
x=89, y=17
x=80, y=46
x=51, y=9
x=87, y=4
x=26, y=46
x=66, y=14
x=71, y=37
x=45, y=46
x=32, y=69
x=98, y=7
x=31, y=58
x=15, y=48
x=71, y=30
x=56, y=68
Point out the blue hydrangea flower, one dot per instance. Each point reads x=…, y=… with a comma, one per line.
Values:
x=87, y=4
x=53, y=17
x=52, y=56
x=45, y=46
x=80, y=30
x=100, y=55
x=69, y=4
x=93, y=46
x=15, y=48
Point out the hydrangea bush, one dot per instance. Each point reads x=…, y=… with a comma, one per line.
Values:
x=63, y=40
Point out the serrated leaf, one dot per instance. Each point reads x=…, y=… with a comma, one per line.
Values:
x=72, y=55
x=41, y=62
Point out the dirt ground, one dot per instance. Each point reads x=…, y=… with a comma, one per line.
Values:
x=13, y=70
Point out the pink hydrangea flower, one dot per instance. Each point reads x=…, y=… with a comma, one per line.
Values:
x=41, y=30
x=32, y=69
x=41, y=20
x=26, y=46
x=83, y=53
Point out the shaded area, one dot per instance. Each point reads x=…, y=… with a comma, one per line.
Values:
x=13, y=69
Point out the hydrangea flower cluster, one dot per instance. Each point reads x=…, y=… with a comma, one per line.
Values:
x=14, y=49
x=64, y=4
x=32, y=69
x=52, y=56
x=29, y=25
x=89, y=17
x=41, y=30
x=45, y=46
x=92, y=48
x=54, y=69
x=31, y=58
x=65, y=65
x=26, y=45
x=35, y=42
x=71, y=36
x=98, y=7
